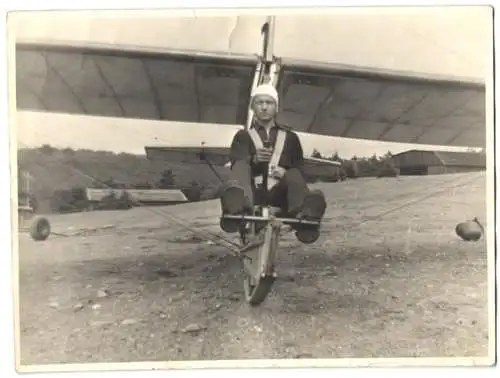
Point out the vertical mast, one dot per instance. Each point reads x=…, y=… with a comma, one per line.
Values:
x=267, y=75
x=268, y=66
x=268, y=39
x=266, y=70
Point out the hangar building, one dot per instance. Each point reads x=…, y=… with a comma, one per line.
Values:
x=419, y=162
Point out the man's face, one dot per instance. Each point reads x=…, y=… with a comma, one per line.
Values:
x=264, y=107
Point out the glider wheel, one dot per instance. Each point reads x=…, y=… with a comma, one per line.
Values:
x=258, y=263
x=40, y=229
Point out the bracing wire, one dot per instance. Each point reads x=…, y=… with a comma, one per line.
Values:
x=408, y=194
x=215, y=238
x=443, y=189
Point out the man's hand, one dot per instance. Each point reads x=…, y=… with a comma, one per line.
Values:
x=263, y=155
x=278, y=173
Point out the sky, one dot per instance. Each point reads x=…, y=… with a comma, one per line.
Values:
x=432, y=40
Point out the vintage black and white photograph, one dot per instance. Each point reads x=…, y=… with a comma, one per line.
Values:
x=302, y=187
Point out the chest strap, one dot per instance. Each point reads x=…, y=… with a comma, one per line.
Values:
x=255, y=138
x=275, y=158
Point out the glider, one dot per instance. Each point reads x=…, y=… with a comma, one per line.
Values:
x=214, y=88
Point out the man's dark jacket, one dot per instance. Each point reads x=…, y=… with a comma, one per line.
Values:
x=243, y=148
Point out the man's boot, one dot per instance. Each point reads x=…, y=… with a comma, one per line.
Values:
x=233, y=202
x=313, y=209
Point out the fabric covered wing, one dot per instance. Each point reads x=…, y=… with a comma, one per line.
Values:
x=132, y=83
x=370, y=104
x=217, y=156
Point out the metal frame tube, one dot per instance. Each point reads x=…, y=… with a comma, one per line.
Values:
x=266, y=69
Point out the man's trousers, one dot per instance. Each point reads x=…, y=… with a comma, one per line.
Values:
x=288, y=194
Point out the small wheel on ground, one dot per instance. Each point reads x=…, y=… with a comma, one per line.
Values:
x=256, y=293
x=258, y=265
x=40, y=228
x=256, y=290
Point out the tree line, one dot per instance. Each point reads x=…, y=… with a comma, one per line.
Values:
x=373, y=166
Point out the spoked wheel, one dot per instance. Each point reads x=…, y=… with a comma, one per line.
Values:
x=40, y=228
x=258, y=266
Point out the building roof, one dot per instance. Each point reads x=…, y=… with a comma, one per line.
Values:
x=451, y=158
x=454, y=158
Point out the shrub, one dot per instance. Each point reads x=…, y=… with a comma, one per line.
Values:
x=62, y=201
x=194, y=192
x=125, y=201
x=333, y=178
x=342, y=174
x=388, y=171
x=47, y=149
x=108, y=202
x=112, y=202
x=351, y=169
x=167, y=180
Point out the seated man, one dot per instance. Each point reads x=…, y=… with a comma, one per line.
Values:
x=252, y=155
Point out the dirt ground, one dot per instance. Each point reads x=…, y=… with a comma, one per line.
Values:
x=136, y=287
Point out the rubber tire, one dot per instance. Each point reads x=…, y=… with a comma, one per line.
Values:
x=40, y=229
x=256, y=295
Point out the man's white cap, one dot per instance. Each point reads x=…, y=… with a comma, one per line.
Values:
x=266, y=89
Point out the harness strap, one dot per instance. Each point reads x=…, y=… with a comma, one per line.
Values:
x=255, y=138
x=275, y=158
x=273, y=164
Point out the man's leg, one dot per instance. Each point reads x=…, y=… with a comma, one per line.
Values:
x=303, y=203
x=300, y=200
x=237, y=194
